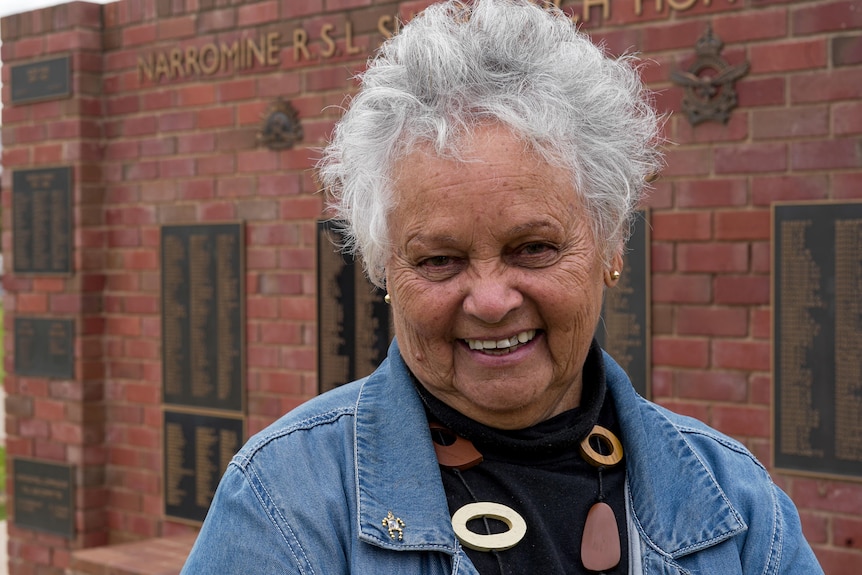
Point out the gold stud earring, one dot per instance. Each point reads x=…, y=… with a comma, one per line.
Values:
x=387, y=299
x=615, y=275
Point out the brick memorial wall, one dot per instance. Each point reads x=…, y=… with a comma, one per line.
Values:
x=133, y=150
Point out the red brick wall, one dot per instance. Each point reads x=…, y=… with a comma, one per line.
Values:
x=151, y=152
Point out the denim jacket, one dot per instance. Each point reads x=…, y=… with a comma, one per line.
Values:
x=349, y=483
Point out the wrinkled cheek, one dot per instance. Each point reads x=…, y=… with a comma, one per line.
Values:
x=413, y=344
x=572, y=338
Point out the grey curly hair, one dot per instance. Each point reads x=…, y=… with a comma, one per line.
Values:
x=455, y=67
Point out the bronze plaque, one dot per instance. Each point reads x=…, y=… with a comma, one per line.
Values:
x=42, y=221
x=202, y=316
x=817, y=338
x=353, y=329
x=44, y=80
x=197, y=451
x=624, y=328
x=44, y=496
x=45, y=347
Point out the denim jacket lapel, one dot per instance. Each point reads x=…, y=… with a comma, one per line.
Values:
x=396, y=468
x=658, y=455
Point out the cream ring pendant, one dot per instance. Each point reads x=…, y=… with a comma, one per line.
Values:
x=497, y=541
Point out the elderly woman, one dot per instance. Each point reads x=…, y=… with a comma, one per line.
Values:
x=486, y=173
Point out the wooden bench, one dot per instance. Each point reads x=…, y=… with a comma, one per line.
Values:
x=163, y=556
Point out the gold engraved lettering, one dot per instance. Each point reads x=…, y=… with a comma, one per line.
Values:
x=206, y=479
x=300, y=44
x=226, y=305
x=209, y=52
x=192, y=61
x=201, y=295
x=329, y=51
x=348, y=40
x=177, y=63
x=229, y=53
x=676, y=5
x=175, y=313
x=37, y=74
x=272, y=49
x=801, y=293
x=848, y=347
x=256, y=50
x=387, y=26
x=163, y=69
x=177, y=466
x=639, y=9
x=145, y=67
x=680, y=5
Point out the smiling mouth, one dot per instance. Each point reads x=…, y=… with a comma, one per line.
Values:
x=501, y=346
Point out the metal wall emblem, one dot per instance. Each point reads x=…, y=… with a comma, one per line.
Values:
x=281, y=128
x=709, y=82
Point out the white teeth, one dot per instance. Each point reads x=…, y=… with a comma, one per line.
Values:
x=522, y=337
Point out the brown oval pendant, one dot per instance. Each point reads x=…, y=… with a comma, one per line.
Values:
x=600, y=547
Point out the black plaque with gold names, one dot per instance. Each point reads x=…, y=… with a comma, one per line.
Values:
x=43, y=80
x=44, y=347
x=817, y=338
x=203, y=339
x=354, y=326
x=624, y=327
x=197, y=450
x=42, y=221
x=44, y=496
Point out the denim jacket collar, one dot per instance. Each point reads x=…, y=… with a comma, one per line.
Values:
x=657, y=456
x=396, y=471
x=396, y=467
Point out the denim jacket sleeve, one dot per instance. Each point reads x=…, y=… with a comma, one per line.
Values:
x=796, y=556
x=281, y=506
x=240, y=535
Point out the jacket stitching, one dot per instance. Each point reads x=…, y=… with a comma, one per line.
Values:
x=265, y=501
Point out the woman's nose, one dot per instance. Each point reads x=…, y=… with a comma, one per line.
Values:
x=491, y=295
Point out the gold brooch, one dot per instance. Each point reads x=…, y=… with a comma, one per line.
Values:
x=394, y=525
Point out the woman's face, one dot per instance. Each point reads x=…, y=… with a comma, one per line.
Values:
x=495, y=279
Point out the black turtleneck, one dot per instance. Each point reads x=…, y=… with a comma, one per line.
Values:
x=538, y=472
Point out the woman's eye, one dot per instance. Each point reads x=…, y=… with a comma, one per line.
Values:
x=436, y=261
x=437, y=268
x=533, y=249
x=535, y=254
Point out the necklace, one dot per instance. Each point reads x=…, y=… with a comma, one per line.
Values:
x=600, y=546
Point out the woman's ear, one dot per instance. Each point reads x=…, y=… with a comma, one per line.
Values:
x=613, y=274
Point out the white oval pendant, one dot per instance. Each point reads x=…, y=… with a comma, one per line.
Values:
x=496, y=542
